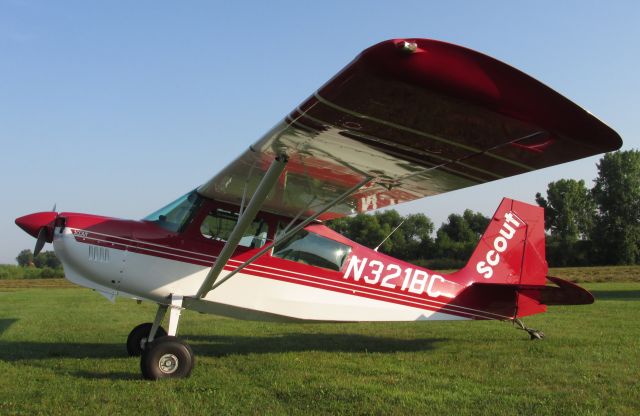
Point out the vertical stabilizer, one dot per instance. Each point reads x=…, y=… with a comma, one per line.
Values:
x=512, y=249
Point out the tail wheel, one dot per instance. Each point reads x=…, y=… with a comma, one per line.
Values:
x=137, y=339
x=167, y=357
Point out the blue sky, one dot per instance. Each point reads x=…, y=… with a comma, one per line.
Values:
x=116, y=108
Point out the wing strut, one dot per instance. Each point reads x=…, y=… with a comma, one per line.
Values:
x=286, y=235
x=248, y=215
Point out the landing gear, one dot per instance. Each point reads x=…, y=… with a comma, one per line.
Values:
x=162, y=354
x=167, y=357
x=137, y=339
x=533, y=333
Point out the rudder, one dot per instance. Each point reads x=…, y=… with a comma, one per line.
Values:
x=512, y=249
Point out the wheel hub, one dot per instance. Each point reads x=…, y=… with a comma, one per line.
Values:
x=168, y=363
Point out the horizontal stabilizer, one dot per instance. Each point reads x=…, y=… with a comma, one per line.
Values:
x=530, y=299
x=566, y=293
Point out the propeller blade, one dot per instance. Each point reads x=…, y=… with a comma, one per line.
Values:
x=42, y=238
x=54, y=208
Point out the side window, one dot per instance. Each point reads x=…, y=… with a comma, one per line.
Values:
x=308, y=248
x=219, y=224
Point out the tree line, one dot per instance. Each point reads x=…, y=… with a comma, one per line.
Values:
x=597, y=226
x=43, y=266
x=413, y=240
x=45, y=259
x=585, y=227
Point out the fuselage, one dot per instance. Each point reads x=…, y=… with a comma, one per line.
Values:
x=317, y=274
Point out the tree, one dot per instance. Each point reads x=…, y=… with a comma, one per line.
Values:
x=477, y=222
x=617, y=197
x=569, y=215
x=418, y=229
x=25, y=258
x=457, y=238
x=409, y=242
x=569, y=210
x=363, y=229
x=45, y=259
x=412, y=240
x=388, y=220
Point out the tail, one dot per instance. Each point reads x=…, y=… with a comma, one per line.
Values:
x=512, y=249
x=510, y=258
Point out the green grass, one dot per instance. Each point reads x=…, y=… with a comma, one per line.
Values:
x=62, y=352
x=598, y=273
x=10, y=271
x=15, y=284
x=593, y=274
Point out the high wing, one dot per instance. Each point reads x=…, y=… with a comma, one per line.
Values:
x=411, y=118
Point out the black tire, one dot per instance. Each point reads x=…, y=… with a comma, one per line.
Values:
x=167, y=357
x=137, y=339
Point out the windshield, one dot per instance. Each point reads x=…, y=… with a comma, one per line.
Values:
x=177, y=214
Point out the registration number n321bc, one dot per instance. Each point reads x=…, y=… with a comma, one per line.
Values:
x=392, y=276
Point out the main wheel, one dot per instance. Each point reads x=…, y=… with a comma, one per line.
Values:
x=167, y=357
x=137, y=339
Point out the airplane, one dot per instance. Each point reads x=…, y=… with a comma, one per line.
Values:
x=406, y=119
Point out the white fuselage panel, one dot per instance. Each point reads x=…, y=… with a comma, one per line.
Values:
x=155, y=278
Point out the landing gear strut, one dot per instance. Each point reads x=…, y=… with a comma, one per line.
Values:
x=533, y=333
x=162, y=354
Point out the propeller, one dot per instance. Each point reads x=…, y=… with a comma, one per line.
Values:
x=42, y=237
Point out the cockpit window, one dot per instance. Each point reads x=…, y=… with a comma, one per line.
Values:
x=309, y=248
x=177, y=214
x=219, y=224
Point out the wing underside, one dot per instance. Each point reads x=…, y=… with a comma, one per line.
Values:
x=412, y=118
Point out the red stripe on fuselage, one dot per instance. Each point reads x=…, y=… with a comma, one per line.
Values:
x=259, y=270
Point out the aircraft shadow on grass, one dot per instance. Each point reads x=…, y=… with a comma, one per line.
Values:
x=215, y=346
x=5, y=324
x=30, y=350
x=218, y=346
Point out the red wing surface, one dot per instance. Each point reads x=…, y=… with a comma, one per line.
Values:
x=419, y=117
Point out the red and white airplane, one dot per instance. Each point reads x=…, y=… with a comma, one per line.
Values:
x=407, y=119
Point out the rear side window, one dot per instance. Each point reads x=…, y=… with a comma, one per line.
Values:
x=219, y=224
x=309, y=248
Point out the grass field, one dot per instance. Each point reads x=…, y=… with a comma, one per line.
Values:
x=62, y=352
x=598, y=274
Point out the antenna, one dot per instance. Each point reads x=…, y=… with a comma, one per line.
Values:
x=387, y=237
